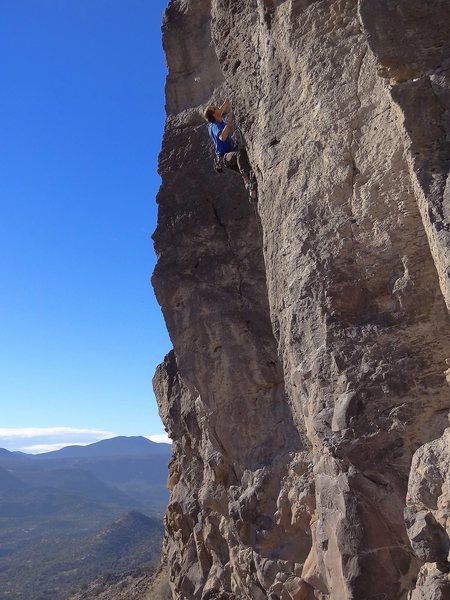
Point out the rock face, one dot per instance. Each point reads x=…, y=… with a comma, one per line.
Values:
x=428, y=517
x=308, y=379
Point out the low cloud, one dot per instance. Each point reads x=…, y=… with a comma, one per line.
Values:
x=31, y=432
x=159, y=438
x=40, y=448
x=35, y=440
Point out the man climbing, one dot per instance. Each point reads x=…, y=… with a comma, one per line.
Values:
x=228, y=154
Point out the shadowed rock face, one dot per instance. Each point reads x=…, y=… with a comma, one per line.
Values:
x=310, y=338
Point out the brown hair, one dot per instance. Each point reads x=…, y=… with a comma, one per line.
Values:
x=209, y=114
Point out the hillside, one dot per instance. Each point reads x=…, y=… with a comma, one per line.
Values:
x=10, y=483
x=50, y=568
x=140, y=584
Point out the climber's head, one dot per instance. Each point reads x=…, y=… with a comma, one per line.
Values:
x=212, y=114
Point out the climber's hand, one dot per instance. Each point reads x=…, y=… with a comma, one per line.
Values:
x=226, y=107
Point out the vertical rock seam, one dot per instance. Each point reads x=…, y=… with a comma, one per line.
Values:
x=307, y=394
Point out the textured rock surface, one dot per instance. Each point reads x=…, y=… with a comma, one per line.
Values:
x=141, y=584
x=428, y=517
x=308, y=371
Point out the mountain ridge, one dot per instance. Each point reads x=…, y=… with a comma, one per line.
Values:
x=116, y=446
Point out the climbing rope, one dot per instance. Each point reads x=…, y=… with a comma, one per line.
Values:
x=257, y=223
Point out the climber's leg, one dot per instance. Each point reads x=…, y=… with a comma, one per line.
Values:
x=243, y=164
x=247, y=174
x=230, y=161
x=238, y=161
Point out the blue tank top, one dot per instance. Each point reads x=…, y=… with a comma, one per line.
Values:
x=214, y=130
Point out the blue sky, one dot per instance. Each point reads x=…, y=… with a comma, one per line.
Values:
x=81, y=119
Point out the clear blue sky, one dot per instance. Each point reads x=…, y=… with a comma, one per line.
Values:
x=81, y=120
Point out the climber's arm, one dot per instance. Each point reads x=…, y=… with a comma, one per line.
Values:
x=226, y=131
x=224, y=108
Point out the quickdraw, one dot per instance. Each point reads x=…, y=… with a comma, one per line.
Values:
x=218, y=164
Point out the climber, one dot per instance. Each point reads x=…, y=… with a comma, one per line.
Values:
x=227, y=152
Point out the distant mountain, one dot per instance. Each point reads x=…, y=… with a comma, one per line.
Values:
x=56, y=512
x=41, y=503
x=4, y=453
x=118, y=446
x=78, y=482
x=11, y=459
x=9, y=483
x=131, y=466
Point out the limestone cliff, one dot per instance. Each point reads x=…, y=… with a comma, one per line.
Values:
x=308, y=381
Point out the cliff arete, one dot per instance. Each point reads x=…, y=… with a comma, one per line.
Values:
x=307, y=394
